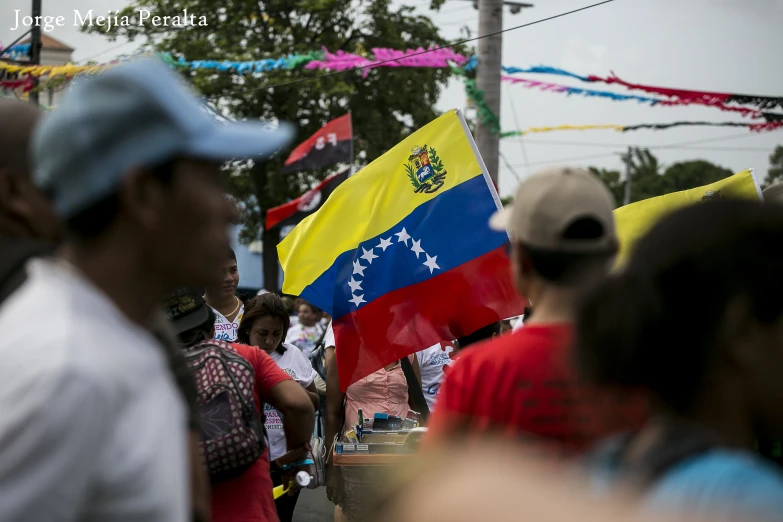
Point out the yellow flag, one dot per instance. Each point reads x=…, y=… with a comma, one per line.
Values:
x=634, y=220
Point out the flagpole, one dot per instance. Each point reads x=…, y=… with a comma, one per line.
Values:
x=482, y=165
x=350, y=125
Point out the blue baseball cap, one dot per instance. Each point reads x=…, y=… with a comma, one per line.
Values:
x=139, y=114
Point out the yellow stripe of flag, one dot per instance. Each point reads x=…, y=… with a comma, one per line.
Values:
x=373, y=201
x=634, y=220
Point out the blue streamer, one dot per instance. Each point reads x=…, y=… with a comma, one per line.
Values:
x=544, y=69
x=611, y=95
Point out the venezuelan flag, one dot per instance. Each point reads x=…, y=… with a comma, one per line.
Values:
x=401, y=254
x=635, y=220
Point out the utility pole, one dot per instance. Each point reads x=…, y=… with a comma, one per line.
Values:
x=488, y=80
x=35, y=48
x=627, y=197
x=490, y=50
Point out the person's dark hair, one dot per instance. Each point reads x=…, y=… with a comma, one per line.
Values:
x=94, y=220
x=314, y=308
x=200, y=333
x=656, y=324
x=231, y=255
x=262, y=306
x=482, y=334
x=562, y=268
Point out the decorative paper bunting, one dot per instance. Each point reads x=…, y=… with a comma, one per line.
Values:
x=53, y=70
x=744, y=111
x=754, y=127
x=555, y=87
x=560, y=128
x=698, y=97
x=25, y=83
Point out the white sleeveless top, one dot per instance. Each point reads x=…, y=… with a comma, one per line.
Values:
x=226, y=330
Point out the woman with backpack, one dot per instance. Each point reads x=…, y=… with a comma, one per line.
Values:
x=265, y=325
x=696, y=318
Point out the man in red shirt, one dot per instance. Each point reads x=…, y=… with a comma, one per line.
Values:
x=523, y=384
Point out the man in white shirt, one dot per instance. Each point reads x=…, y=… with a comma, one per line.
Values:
x=92, y=426
x=431, y=364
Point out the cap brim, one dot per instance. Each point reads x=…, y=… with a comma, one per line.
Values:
x=240, y=140
x=499, y=220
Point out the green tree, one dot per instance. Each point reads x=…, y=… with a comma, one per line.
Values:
x=649, y=178
x=691, y=174
x=613, y=180
x=775, y=173
x=387, y=103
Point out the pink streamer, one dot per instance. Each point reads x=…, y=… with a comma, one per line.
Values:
x=341, y=61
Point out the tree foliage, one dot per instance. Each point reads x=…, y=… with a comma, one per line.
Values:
x=386, y=103
x=650, y=178
x=775, y=173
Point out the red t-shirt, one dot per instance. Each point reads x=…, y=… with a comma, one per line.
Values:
x=248, y=498
x=523, y=384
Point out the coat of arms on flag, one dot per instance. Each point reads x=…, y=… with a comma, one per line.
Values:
x=425, y=169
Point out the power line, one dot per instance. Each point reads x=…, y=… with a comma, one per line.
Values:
x=375, y=64
x=509, y=166
x=516, y=123
x=709, y=140
x=85, y=60
x=616, y=145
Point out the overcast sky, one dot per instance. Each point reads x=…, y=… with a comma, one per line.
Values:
x=716, y=45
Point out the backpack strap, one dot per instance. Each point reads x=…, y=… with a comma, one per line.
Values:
x=414, y=388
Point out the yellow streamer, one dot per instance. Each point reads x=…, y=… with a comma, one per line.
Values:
x=54, y=70
x=565, y=127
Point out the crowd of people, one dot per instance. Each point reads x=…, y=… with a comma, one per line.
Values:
x=137, y=386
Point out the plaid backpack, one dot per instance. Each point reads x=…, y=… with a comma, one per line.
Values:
x=232, y=429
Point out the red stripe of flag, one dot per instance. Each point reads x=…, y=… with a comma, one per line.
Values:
x=403, y=322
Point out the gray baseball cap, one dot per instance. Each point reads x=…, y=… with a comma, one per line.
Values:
x=139, y=114
x=549, y=201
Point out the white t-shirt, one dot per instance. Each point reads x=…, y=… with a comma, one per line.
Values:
x=304, y=337
x=329, y=336
x=295, y=364
x=431, y=364
x=92, y=425
x=226, y=330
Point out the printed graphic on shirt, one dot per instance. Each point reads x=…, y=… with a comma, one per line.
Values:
x=295, y=364
x=431, y=362
x=304, y=337
x=226, y=330
x=272, y=418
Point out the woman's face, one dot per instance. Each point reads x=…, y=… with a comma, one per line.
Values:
x=267, y=333
x=306, y=315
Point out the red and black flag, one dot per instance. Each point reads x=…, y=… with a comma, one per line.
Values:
x=331, y=144
x=295, y=211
